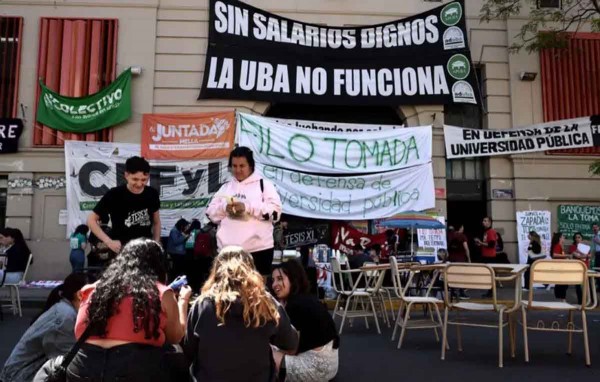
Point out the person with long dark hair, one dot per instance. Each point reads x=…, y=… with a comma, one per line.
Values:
x=50, y=335
x=16, y=255
x=234, y=322
x=245, y=209
x=78, y=243
x=131, y=314
x=534, y=252
x=316, y=359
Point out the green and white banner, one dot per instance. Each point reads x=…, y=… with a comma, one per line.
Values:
x=185, y=187
x=333, y=152
x=108, y=107
x=353, y=197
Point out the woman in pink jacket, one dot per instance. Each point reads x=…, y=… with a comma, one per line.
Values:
x=245, y=208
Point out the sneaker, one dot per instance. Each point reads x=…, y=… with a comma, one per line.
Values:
x=525, y=290
x=463, y=296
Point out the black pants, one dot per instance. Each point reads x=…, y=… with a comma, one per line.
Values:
x=560, y=292
x=263, y=261
x=527, y=272
x=488, y=260
x=124, y=363
x=179, y=266
x=199, y=271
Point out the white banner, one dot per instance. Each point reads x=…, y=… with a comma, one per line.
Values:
x=354, y=197
x=538, y=221
x=433, y=238
x=333, y=152
x=185, y=187
x=565, y=134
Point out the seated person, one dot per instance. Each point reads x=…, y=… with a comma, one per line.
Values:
x=234, y=322
x=358, y=257
x=317, y=356
x=16, y=256
x=128, y=316
x=50, y=335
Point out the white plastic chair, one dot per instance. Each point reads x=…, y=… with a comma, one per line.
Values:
x=371, y=279
x=362, y=298
x=15, y=297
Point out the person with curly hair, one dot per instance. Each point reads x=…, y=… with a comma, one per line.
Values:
x=316, y=359
x=131, y=314
x=234, y=322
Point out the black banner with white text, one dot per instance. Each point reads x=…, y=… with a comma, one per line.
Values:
x=255, y=55
x=10, y=131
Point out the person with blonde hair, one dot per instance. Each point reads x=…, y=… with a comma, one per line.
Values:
x=234, y=322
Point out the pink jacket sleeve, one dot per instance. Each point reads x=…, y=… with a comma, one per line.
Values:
x=216, y=208
x=270, y=203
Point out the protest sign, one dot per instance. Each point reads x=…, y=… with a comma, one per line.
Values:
x=565, y=134
x=345, y=238
x=423, y=59
x=10, y=131
x=538, y=221
x=577, y=218
x=106, y=108
x=354, y=197
x=299, y=237
x=333, y=152
x=193, y=136
x=433, y=238
x=185, y=187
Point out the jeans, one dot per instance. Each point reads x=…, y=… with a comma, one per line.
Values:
x=77, y=259
x=11, y=277
x=124, y=363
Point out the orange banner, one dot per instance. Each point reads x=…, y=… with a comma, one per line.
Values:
x=194, y=136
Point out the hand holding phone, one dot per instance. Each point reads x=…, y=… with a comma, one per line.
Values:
x=179, y=282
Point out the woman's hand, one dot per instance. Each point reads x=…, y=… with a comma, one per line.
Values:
x=236, y=209
x=185, y=293
x=239, y=208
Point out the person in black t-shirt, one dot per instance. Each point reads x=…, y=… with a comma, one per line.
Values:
x=132, y=208
x=317, y=356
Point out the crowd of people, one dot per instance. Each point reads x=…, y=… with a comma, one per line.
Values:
x=239, y=328
x=122, y=319
x=125, y=322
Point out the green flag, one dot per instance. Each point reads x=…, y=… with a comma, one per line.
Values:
x=108, y=107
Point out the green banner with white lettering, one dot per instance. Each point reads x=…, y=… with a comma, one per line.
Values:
x=574, y=218
x=108, y=107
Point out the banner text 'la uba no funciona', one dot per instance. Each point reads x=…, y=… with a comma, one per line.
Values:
x=257, y=55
